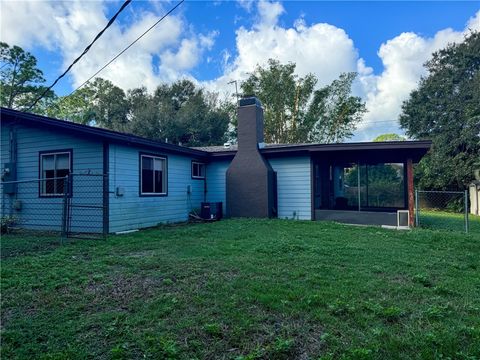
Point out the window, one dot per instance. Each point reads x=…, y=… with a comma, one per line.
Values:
x=198, y=170
x=376, y=186
x=385, y=185
x=54, y=167
x=153, y=175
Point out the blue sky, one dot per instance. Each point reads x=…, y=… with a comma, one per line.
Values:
x=213, y=42
x=369, y=24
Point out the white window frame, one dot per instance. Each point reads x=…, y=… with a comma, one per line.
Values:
x=55, y=178
x=164, y=175
x=204, y=170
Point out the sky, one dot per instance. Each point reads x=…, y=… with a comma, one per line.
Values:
x=215, y=42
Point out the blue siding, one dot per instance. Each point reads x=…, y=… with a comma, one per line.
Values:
x=132, y=211
x=46, y=213
x=216, y=182
x=293, y=187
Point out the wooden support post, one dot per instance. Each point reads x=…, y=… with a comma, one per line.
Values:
x=410, y=191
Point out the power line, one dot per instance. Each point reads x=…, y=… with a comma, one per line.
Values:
x=380, y=121
x=110, y=22
x=128, y=47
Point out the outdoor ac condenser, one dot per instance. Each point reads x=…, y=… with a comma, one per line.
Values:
x=403, y=217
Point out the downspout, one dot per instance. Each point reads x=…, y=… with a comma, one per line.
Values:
x=13, y=148
x=106, y=189
x=205, y=184
x=13, y=143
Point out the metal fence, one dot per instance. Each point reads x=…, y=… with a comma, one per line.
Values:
x=447, y=210
x=72, y=206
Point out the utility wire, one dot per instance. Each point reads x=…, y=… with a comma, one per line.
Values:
x=128, y=47
x=379, y=121
x=110, y=22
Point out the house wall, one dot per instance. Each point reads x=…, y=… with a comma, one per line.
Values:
x=293, y=185
x=126, y=212
x=132, y=211
x=216, y=182
x=41, y=212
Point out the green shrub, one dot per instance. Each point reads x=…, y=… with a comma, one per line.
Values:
x=6, y=222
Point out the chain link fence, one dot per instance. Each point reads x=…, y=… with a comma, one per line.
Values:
x=448, y=210
x=75, y=206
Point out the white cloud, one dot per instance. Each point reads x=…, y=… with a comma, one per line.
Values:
x=247, y=5
x=403, y=58
x=188, y=53
x=322, y=49
x=269, y=12
x=29, y=23
x=327, y=51
x=319, y=48
x=68, y=27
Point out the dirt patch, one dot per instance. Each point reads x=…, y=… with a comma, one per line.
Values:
x=142, y=254
x=119, y=291
x=306, y=335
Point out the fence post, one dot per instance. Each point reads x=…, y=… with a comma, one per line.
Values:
x=66, y=188
x=416, y=207
x=466, y=210
x=105, y=202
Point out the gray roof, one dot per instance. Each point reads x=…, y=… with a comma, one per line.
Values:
x=333, y=146
x=234, y=147
x=420, y=147
x=416, y=148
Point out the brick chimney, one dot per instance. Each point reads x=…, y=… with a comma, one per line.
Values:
x=250, y=178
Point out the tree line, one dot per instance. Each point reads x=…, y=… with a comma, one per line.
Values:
x=445, y=107
x=187, y=114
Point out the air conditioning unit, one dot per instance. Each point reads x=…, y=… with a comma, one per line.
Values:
x=211, y=210
x=403, y=218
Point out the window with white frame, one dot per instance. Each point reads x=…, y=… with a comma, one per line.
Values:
x=153, y=175
x=198, y=170
x=54, y=167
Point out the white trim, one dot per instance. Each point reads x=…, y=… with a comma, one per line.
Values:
x=204, y=170
x=55, y=178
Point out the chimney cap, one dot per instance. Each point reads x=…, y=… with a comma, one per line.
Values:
x=250, y=100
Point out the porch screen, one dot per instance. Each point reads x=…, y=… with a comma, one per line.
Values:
x=384, y=185
x=373, y=185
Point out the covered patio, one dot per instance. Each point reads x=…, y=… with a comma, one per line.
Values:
x=365, y=183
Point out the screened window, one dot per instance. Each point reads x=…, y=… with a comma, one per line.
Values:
x=54, y=167
x=374, y=185
x=198, y=170
x=384, y=185
x=153, y=175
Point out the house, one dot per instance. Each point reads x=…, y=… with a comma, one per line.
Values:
x=121, y=182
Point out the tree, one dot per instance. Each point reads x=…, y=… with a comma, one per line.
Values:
x=20, y=78
x=334, y=113
x=109, y=105
x=296, y=112
x=285, y=98
x=180, y=113
x=389, y=137
x=100, y=103
x=77, y=107
x=446, y=109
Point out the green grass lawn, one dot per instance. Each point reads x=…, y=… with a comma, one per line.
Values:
x=442, y=220
x=244, y=289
